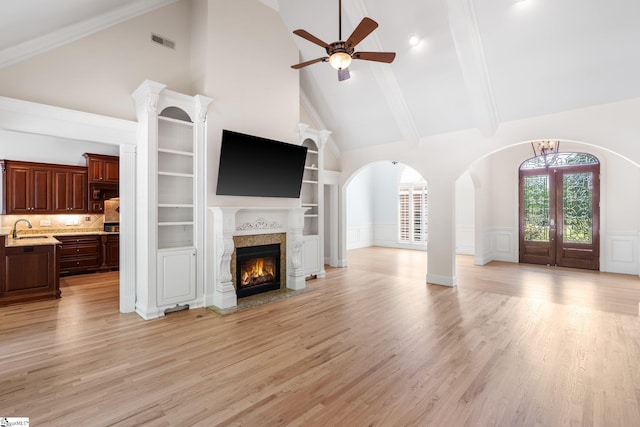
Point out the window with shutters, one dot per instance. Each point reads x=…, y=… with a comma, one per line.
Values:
x=412, y=208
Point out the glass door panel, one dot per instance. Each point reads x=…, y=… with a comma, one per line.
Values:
x=536, y=208
x=577, y=207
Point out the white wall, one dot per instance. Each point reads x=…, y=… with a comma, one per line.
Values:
x=441, y=159
x=47, y=149
x=619, y=211
x=258, y=93
x=376, y=185
x=98, y=73
x=360, y=209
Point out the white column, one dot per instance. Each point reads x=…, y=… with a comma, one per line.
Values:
x=127, y=227
x=441, y=259
x=146, y=96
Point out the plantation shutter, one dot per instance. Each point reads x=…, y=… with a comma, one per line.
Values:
x=403, y=208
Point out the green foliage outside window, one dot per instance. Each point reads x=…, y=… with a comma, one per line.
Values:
x=536, y=208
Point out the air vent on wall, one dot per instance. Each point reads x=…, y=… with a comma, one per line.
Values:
x=163, y=41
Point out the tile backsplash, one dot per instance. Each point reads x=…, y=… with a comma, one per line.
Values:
x=46, y=224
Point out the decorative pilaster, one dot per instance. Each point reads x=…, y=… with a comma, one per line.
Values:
x=220, y=284
x=295, y=241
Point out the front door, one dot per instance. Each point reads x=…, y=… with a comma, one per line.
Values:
x=560, y=210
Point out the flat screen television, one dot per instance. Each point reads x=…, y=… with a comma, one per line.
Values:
x=255, y=166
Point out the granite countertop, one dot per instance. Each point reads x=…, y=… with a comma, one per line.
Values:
x=40, y=237
x=32, y=241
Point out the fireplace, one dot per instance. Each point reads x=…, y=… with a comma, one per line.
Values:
x=257, y=269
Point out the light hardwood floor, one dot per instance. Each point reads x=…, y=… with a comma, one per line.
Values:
x=372, y=345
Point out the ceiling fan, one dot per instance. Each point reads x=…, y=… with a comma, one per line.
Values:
x=342, y=52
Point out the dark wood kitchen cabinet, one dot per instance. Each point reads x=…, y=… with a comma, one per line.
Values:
x=103, y=169
x=80, y=253
x=27, y=188
x=103, y=178
x=111, y=251
x=30, y=273
x=70, y=190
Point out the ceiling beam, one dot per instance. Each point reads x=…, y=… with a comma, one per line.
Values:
x=388, y=84
x=317, y=121
x=468, y=43
x=23, y=51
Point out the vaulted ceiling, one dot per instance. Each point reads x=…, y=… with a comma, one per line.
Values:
x=478, y=64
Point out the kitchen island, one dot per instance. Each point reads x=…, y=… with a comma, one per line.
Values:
x=30, y=268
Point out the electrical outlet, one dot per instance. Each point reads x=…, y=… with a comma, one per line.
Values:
x=45, y=223
x=87, y=218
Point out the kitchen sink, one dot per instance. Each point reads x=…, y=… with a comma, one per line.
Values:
x=32, y=237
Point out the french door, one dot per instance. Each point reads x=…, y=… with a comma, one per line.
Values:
x=560, y=216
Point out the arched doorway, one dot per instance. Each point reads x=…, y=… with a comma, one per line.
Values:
x=386, y=204
x=559, y=211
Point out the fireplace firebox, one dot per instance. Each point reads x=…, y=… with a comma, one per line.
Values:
x=257, y=269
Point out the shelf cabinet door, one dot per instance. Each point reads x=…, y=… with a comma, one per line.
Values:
x=112, y=170
x=103, y=169
x=311, y=255
x=31, y=273
x=112, y=251
x=69, y=191
x=176, y=276
x=28, y=189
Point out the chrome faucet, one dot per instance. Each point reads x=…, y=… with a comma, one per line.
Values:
x=15, y=232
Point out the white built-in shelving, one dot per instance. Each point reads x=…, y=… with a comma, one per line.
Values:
x=171, y=169
x=312, y=198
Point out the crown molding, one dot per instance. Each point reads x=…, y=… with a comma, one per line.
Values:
x=23, y=51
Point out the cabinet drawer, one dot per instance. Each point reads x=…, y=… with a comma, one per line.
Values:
x=79, y=263
x=79, y=250
x=68, y=240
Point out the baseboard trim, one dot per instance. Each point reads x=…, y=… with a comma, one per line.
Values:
x=436, y=279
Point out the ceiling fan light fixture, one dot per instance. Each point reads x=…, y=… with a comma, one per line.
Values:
x=340, y=60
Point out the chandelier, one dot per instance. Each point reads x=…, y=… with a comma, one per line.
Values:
x=545, y=147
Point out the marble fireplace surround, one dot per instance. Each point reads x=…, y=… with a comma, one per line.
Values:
x=225, y=223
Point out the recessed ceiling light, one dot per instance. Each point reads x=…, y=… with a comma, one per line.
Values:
x=414, y=40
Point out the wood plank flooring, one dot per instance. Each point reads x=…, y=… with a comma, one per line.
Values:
x=372, y=345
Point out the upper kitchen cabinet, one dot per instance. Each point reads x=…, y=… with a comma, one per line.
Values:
x=103, y=169
x=103, y=180
x=27, y=188
x=70, y=190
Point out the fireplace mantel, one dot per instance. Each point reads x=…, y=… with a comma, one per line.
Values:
x=223, y=223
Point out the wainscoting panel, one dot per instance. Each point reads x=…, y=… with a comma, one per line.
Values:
x=359, y=236
x=465, y=239
x=498, y=244
x=385, y=235
x=619, y=253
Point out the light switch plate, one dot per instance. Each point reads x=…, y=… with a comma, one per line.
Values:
x=45, y=223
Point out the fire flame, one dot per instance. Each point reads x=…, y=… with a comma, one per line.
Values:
x=256, y=270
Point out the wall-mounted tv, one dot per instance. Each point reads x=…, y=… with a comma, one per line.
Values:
x=255, y=166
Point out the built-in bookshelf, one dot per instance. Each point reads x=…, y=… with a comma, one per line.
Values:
x=176, y=182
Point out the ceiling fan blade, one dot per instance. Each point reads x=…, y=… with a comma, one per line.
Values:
x=313, y=61
x=364, y=28
x=344, y=74
x=387, y=57
x=313, y=39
